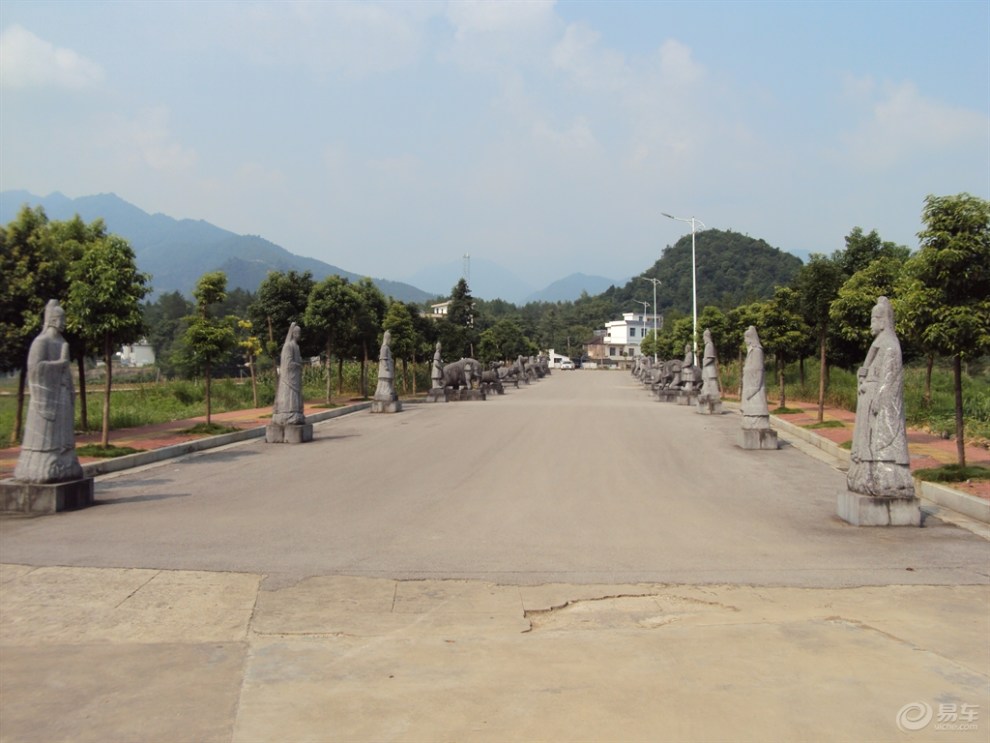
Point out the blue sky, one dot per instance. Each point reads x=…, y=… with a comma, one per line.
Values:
x=545, y=137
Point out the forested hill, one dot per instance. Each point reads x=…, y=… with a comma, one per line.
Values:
x=732, y=269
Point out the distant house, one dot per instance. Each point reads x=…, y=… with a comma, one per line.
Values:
x=137, y=354
x=440, y=310
x=621, y=339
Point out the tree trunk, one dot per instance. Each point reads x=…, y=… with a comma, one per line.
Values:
x=821, y=377
x=15, y=435
x=405, y=377
x=254, y=381
x=364, y=370
x=960, y=428
x=209, y=407
x=328, y=368
x=780, y=377
x=801, y=371
x=108, y=360
x=83, y=412
x=742, y=361
x=928, y=380
x=340, y=375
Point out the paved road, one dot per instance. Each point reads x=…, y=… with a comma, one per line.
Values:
x=579, y=478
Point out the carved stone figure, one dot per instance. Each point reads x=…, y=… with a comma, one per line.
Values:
x=386, y=400
x=709, y=370
x=880, y=462
x=436, y=372
x=462, y=373
x=755, y=412
x=48, y=451
x=756, y=432
x=289, y=398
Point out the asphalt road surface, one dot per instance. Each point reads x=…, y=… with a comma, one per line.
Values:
x=580, y=477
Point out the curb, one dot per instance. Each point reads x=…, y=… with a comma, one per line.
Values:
x=210, y=442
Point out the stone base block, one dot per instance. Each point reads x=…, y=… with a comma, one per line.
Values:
x=463, y=395
x=709, y=407
x=665, y=395
x=31, y=497
x=686, y=398
x=866, y=510
x=386, y=406
x=437, y=394
x=757, y=438
x=276, y=433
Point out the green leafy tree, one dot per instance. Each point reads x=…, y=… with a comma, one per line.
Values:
x=251, y=346
x=32, y=270
x=280, y=301
x=457, y=332
x=818, y=284
x=166, y=319
x=849, y=312
x=861, y=250
x=783, y=331
x=332, y=304
x=104, y=304
x=399, y=322
x=952, y=271
x=503, y=341
x=209, y=340
x=366, y=327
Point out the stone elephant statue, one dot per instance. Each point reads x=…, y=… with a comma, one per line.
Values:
x=463, y=373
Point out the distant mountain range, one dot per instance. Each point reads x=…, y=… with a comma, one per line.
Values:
x=176, y=252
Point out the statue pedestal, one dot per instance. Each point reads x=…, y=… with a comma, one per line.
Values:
x=757, y=438
x=709, y=406
x=33, y=497
x=386, y=406
x=665, y=395
x=293, y=433
x=867, y=510
x=686, y=398
x=437, y=394
x=463, y=395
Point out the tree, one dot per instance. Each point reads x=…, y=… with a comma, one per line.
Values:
x=782, y=331
x=457, y=331
x=166, y=319
x=849, y=313
x=398, y=321
x=208, y=339
x=366, y=325
x=32, y=271
x=861, y=250
x=251, y=346
x=952, y=271
x=104, y=304
x=281, y=300
x=818, y=284
x=331, y=305
x=503, y=341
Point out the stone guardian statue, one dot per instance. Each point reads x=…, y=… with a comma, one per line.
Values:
x=710, y=397
x=48, y=476
x=756, y=432
x=881, y=489
x=289, y=424
x=386, y=400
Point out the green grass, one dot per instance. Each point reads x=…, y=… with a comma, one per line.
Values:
x=847, y=445
x=953, y=473
x=95, y=450
x=209, y=429
x=826, y=424
x=786, y=411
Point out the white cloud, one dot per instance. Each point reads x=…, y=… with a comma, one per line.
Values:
x=578, y=136
x=471, y=17
x=147, y=141
x=901, y=123
x=27, y=61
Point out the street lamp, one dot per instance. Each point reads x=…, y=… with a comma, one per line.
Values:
x=694, y=276
x=655, y=282
x=645, y=305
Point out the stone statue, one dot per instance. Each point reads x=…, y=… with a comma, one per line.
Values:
x=756, y=414
x=709, y=370
x=289, y=398
x=48, y=451
x=436, y=371
x=756, y=432
x=880, y=463
x=386, y=400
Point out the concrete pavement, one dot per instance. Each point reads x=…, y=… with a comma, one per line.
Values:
x=632, y=577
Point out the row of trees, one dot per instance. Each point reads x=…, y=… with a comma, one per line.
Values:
x=940, y=294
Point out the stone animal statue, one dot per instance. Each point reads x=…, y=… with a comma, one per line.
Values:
x=491, y=381
x=463, y=373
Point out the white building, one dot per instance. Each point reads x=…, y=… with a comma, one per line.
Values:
x=137, y=354
x=622, y=337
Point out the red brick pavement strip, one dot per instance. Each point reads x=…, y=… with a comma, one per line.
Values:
x=160, y=435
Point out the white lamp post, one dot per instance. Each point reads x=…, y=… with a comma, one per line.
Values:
x=694, y=276
x=655, y=282
x=645, y=305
